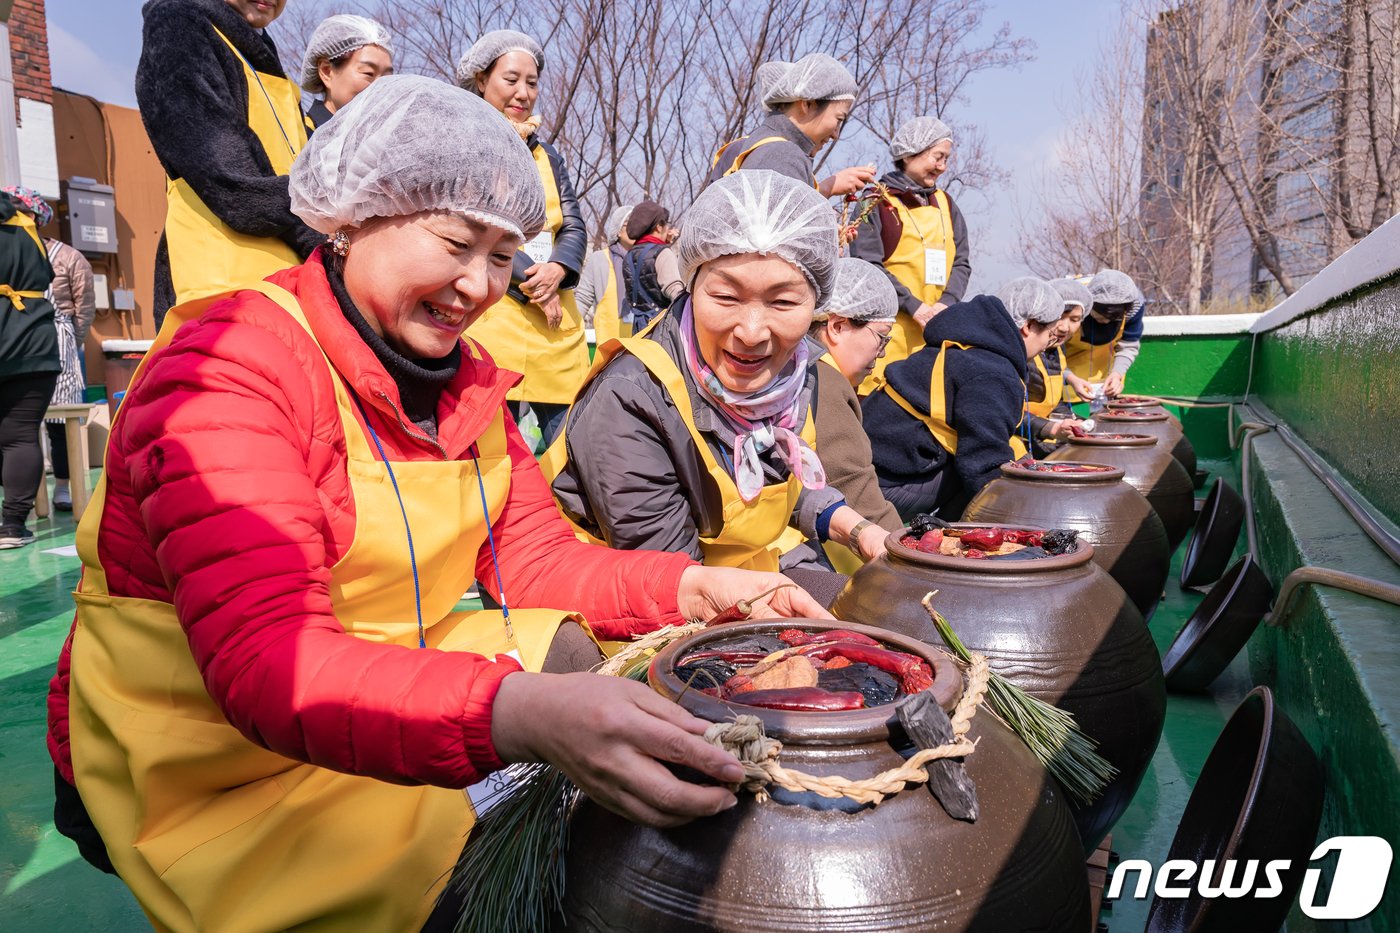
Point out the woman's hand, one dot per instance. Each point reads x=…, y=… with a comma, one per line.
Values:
x=1065, y=427
x=847, y=181
x=1081, y=387
x=705, y=592
x=553, y=311
x=610, y=736
x=542, y=282
x=928, y=312
x=873, y=541
x=1113, y=385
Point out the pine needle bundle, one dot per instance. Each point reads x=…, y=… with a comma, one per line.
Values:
x=511, y=874
x=1049, y=732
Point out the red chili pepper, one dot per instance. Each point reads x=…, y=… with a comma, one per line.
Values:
x=975, y=555
x=795, y=636
x=931, y=542
x=984, y=539
x=743, y=608
x=813, y=699
x=1028, y=538
x=913, y=672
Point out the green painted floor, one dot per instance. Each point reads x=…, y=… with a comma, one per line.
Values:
x=44, y=885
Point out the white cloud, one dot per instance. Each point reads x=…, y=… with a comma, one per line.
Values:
x=79, y=68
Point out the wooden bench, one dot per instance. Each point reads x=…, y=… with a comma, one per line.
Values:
x=75, y=435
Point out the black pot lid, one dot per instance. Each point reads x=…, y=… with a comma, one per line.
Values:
x=1213, y=539
x=1219, y=628
x=1259, y=797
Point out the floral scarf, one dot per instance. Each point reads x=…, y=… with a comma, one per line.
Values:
x=764, y=420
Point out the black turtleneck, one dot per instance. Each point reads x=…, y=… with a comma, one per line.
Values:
x=420, y=381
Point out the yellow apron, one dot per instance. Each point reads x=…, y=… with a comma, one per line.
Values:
x=1090, y=362
x=552, y=362
x=207, y=256
x=16, y=296
x=938, y=424
x=841, y=557
x=755, y=534
x=1054, y=385
x=924, y=228
x=607, y=318
x=214, y=833
x=738, y=162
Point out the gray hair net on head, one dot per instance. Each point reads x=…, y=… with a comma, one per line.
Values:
x=811, y=77
x=1073, y=292
x=1111, y=287
x=336, y=36
x=413, y=144
x=916, y=135
x=759, y=211
x=863, y=292
x=1029, y=299
x=488, y=48
x=616, y=219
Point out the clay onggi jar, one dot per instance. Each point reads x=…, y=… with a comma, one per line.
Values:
x=1058, y=627
x=799, y=862
x=1140, y=403
x=1129, y=540
x=1148, y=468
x=1159, y=424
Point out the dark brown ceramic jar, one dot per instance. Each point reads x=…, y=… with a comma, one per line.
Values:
x=1148, y=468
x=1129, y=540
x=801, y=863
x=1159, y=424
x=1140, y=403
x=1059, y=627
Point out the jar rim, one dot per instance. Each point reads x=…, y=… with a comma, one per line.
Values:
x=838, y=727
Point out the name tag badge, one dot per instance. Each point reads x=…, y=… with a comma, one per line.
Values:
x=540, y=248
x=935, y=267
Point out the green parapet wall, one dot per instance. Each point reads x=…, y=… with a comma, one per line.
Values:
x=1334, y=377
x=1204, y=359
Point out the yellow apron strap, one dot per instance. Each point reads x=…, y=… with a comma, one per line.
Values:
x=16, y=296
x=257, y=79
x=738, y=162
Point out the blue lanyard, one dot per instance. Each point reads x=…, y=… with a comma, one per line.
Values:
x=408, y=531
x=1026, y=418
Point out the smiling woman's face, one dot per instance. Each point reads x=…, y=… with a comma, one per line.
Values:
x=421, y=280
x=511, y=85
x=751, y=312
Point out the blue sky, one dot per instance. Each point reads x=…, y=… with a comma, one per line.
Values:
x=94, y=46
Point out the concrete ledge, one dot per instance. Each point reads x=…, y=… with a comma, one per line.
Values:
x=1334, y=664
x=1173, y=325
x=1374, y=258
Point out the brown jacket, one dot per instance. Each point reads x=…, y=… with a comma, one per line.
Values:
x=844, y=448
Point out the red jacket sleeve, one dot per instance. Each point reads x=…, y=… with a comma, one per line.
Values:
x=620, y=593
x=217, y=450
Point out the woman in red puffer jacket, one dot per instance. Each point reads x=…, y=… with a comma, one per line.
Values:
x=268, y=706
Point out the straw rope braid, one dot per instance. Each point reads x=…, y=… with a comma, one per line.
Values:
x=644, y=646
x=744, y=738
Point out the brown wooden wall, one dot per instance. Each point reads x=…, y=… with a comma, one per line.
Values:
x=108, y=143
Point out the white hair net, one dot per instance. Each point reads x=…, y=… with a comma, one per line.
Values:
x=767, y=74
x=916, y=135
x=493, y=45
x=811, y=77
x=760, y=211
x=411, y=144
x=337, y=36
x=613, y=225
x=1029, y=299
x=1111, y=287
x=1073, y=292
x=863, y=292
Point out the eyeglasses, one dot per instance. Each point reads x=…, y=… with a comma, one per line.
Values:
x=885, y=339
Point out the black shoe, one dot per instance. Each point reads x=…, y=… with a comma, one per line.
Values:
x=13, y=536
